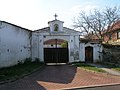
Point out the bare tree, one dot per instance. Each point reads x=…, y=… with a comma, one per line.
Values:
x=97, y=22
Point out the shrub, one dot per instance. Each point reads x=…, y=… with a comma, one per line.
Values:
x=28, y=60
x=20, y=62
x=37, y=60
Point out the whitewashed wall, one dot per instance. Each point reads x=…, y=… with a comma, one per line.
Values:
x=38, y=47
x=17, y=43
x=14, y=44
x=97, y=48
x=52, y=23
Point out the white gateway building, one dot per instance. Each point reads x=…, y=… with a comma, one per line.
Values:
x=53, y=44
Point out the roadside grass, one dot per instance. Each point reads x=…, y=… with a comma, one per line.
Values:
x=112, y=66
x=116, y=68
x=18, y=70
x=88, y=67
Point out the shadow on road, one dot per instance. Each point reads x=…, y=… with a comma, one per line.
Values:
x=57, y=74
x=60, y=74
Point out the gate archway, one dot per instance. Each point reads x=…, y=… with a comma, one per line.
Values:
x=56, y=51
x=89, y=54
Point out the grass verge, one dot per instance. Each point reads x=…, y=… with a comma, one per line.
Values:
x=112, y=66
x=116, y=68
x=88, y=67
x=18, y=70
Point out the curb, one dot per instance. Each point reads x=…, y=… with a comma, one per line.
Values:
x=91, y=86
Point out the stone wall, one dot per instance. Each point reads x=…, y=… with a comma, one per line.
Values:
x=111, y=54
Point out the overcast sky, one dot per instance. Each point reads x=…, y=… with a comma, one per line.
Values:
x=35, y=14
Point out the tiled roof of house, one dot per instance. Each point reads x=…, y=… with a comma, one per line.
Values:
x=84, y=40
x=115, y=26
x=53, y=41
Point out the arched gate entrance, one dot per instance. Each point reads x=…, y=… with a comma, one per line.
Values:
x=56, y=51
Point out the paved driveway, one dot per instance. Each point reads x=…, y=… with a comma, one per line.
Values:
x=60, y=77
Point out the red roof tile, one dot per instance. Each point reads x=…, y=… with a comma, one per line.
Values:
x=53, y=41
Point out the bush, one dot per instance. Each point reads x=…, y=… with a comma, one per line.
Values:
x=37, y=60
x=28, y=60
x=20, y=62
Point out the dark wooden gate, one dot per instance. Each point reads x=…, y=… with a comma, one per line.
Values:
x=56, y=55
x=89, y=54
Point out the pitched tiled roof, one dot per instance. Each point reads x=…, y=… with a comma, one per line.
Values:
x=115, y=26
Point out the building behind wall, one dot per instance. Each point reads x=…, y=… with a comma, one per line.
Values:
x=112, y=36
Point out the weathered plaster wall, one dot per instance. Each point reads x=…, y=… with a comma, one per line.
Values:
x=14, y=44
x=39, y=38
x=59, y=23
x=74, y=48
x=17, y=43
x=37, y=46
x=82, y=52
x=97, y=48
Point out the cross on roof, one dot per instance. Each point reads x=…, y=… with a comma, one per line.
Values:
x=55, y=16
